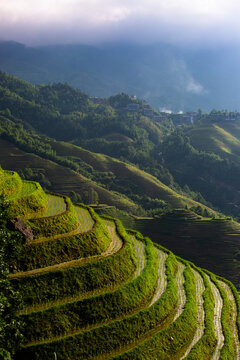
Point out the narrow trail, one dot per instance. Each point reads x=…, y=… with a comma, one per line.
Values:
x=182, y=295
x=116, y=243
x=233, y=318
x=201, y=314
x=139, y=250
x=217, y=319
x=162, y=277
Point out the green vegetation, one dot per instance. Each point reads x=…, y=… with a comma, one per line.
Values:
x=194, y=160
x=90, y=289
x=41, y=285
x=56, y=224
x=206, y=345
x=32, y=201
x=80, y=245
x=227, y=350
x=56, y=205
x=118, y=296
x=26, y=198
x=98, y=309
x=181, y=331
x=10, y=183
x=131, y=137
x=10, y=299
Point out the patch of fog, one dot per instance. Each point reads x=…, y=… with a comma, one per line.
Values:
x=164, y=110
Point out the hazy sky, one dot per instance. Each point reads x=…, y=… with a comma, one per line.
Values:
x=99, y=21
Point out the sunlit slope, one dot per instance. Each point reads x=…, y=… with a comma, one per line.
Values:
x=210, y=163
x=94, y=290
x=62, y=180
x=129, y=175
x=26, y=198
x=221, y=138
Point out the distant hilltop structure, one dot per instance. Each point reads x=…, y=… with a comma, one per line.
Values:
x=98, y=100
x=188, y=118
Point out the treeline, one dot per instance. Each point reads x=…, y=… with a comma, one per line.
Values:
x=64, y=113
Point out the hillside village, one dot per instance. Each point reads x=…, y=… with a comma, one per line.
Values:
x=180, y=118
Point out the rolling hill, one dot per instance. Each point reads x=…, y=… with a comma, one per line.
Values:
x=158, y=148
x=92, y=289
x=64, y=180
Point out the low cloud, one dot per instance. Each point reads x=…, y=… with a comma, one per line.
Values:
x=96, y=21
x=195, y=88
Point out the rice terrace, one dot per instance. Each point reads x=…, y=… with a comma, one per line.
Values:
x=92, y=289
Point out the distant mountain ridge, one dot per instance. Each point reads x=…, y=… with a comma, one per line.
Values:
x=165, y=76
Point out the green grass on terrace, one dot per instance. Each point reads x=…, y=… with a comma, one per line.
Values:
x=117, y=332
x=10, y=183
x=90, y=239
x=46, y=227
x=31, y=201
x=28, y=188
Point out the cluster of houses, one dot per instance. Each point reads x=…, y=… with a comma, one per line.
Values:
x=133, y=107
x=187, y=118
x=146, y=110
x=178, y=119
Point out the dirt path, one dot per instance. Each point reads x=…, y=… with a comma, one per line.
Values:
x=116, y=243
x=233, y=317
x=181, y=291
x=217, y=319
x=139, y=251
x=200, y=317
x=162, y=277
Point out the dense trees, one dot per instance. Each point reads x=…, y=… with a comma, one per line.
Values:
x=10, y=300
x=64, y=113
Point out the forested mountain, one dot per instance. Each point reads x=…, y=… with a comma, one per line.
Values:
x=192, y=167
x=166, y=76
x=130, y=137
x=165, y=180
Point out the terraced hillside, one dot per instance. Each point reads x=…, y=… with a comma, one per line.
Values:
x=64, y=180
x=93, y=290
